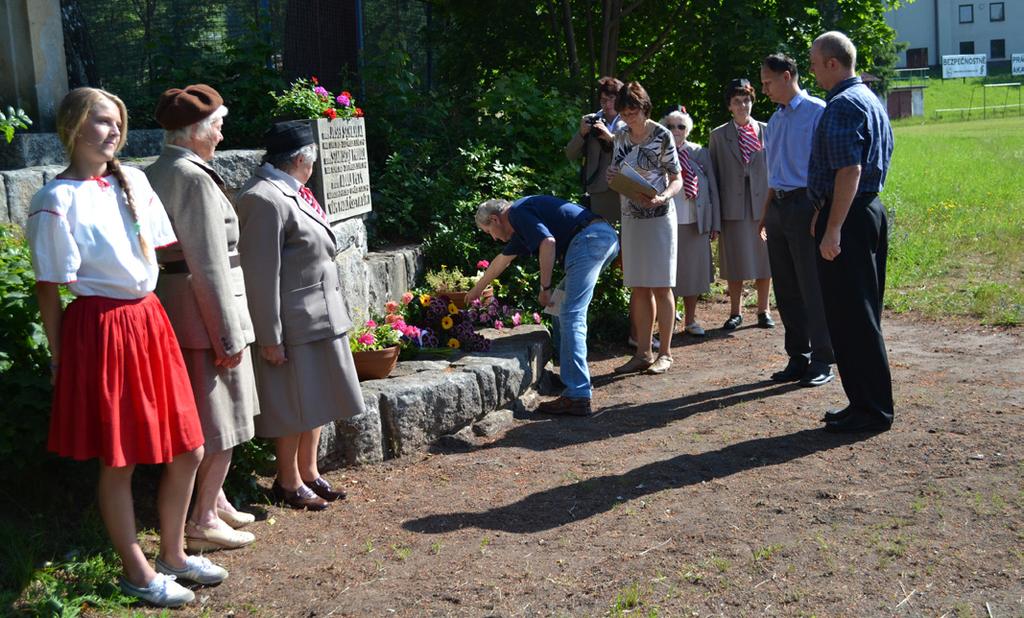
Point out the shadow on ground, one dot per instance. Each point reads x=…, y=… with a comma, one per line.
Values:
x=566, y=504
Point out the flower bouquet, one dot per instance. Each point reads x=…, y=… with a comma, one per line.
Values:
x=307, y=99
x=454, y=285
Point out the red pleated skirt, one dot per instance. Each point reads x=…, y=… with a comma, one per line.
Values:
x=122, y=392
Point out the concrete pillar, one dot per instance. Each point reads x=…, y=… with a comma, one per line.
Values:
x=33, y=70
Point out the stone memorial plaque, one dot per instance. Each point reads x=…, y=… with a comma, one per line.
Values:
x=341, y=177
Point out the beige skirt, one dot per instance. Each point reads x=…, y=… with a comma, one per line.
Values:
x=226, y=398
x=742, y=254
x=694, y=271
x=316, y=386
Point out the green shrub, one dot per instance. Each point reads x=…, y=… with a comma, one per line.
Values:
x=24, y=359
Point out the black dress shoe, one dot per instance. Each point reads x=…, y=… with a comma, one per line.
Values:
x=323, y=489
x=733, y=322
x=859, y=423
x=817, y=374
x=764, y=320
x=834, y=415
x=572, y=406
x=301, y=498
x=795, y=370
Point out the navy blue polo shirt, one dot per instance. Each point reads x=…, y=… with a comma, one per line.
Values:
x=536, y=217
x=854, y=129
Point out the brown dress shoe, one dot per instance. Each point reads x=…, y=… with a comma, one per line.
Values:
x=301, y=498
x=572, y=406
x=322, y=488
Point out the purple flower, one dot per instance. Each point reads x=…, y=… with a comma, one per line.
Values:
x=321, y=92
x=343, y=100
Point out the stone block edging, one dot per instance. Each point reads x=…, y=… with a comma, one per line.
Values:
x=425, y=400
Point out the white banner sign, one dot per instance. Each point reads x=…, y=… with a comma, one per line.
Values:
x=964, y=65
x=1018, y=64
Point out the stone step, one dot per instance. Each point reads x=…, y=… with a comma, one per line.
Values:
x=425, y=400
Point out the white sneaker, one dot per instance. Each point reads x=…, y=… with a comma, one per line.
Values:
x=695, y=329
x=163, y=591
x=197, y=569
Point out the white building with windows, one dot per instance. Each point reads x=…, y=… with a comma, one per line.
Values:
x=935, y=28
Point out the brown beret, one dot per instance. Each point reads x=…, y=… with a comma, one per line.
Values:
x=178, y=108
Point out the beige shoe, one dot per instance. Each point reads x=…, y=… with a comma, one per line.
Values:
x=200, y=538
x=238, y=519
x=660, y=365
x=634, y=365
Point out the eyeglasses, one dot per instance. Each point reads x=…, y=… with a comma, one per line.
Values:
x=681, y=127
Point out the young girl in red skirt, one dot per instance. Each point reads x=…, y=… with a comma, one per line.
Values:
x=121, y=392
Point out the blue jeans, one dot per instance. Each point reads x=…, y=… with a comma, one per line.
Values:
x=590, y=252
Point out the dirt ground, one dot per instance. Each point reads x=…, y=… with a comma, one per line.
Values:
x=709, y=491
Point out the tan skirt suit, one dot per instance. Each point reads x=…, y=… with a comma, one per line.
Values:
x=742, y=190
x=295, y=299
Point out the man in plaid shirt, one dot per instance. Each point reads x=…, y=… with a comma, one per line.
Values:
x=850, y=156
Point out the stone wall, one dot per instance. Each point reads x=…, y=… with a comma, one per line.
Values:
x=369, y=278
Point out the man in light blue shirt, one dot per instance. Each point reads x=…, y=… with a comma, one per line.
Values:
x=792, y=250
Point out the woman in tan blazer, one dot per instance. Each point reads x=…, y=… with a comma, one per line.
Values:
x=202, y=290
x=737, y=156
x=304, y=372
x=697, y=215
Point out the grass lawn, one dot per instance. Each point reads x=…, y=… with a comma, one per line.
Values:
x=959, y=93
x=955, y=193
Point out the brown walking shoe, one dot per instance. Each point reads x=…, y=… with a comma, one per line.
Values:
x=572, y=406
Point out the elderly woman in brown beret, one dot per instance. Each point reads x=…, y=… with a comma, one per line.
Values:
x=203, y=291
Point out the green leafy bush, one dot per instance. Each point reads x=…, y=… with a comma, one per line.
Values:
x=24, y=359
x=12, y=120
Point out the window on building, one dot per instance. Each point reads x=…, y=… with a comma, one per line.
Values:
x=966, y=13
x=917, y=58
x=998, y=49
x=997, y=11
x=966, y=47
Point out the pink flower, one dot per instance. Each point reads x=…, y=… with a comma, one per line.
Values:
x=407, y=298
x=482, y=264
x=371, y=324
x=343, y=100
x=517, y=319
x=498, y=324
x=321, y=92
x=536, y=318
x=367, y=339
x=391, y=306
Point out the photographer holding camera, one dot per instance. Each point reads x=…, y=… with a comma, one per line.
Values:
x=593, y=141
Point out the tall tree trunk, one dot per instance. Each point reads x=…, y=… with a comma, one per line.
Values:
x=612, y=10
x=570, y=40
x=591, y=51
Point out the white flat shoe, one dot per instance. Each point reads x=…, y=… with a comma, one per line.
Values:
x=238, y=519
x=198, y=538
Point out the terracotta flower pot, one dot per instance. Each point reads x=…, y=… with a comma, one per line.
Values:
x=459, y=298
x=376, y=364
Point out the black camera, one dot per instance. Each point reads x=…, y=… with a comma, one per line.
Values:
x=592, y=120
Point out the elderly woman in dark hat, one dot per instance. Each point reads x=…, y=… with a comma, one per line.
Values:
x=305, y=373
x=203, y=292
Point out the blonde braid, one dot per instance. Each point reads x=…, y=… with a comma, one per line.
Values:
x=114, y=167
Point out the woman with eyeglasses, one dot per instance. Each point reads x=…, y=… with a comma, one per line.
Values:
x=737, y=156
x=648, y=227
x=697, y=215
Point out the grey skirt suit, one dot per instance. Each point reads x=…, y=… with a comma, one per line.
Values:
x=202, y=289
x=694, y=268
x=742, y=190
x=295, y=299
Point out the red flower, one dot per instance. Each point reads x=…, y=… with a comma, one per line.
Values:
x=346, y=93
x=359, y=112
x=330, y=113
x=315, y=80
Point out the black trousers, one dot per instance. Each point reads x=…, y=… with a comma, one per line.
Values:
x=793, y=255
x=852, y=288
